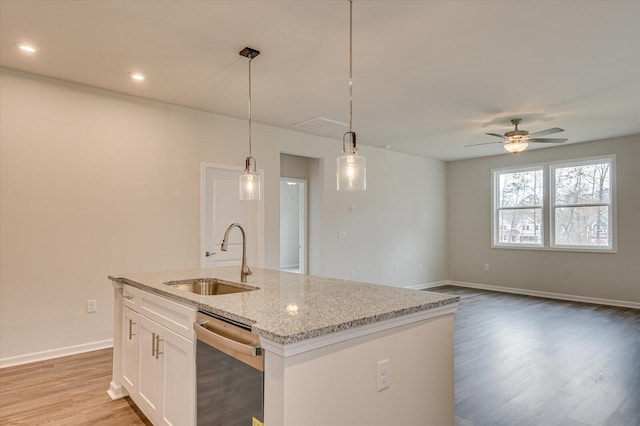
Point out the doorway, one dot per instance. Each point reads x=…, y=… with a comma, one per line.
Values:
x=220, y=207
x=293, y=225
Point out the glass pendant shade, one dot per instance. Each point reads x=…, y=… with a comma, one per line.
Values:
x=351, y=172
x=515, y=147
x=250, y=182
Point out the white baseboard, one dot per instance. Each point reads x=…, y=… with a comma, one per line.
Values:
x=427, y=285
x=116, y=391
x=55, y=353
x=291, y=266
x=548, y=295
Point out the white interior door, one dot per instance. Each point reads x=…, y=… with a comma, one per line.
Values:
x=221, y=206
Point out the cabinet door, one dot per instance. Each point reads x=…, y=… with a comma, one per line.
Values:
x=178, y=363
x=149, y=368
x=130, y=345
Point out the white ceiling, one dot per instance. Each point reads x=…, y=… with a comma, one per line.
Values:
x=429, y=76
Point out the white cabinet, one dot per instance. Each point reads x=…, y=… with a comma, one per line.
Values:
x=158, y=357
x=177, y=379
x=166, y=385
x=130, y=349
x=150, y=374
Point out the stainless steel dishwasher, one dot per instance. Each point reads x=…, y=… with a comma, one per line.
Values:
x=229, y=373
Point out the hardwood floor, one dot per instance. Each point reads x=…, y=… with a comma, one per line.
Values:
x=64, y=391
x=523, y=360
x=519, y=360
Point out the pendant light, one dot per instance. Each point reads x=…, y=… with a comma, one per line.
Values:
x=250, y=179
x=351, y=168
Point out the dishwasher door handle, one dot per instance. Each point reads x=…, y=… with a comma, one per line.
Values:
x=225, y=343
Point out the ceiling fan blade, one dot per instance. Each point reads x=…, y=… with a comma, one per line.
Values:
x=547, y=132
x=547, y=140
x=486, y=143
x=496, y=135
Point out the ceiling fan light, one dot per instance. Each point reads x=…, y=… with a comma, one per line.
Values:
x=515, y=147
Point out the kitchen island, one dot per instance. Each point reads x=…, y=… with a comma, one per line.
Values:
x=323, y=342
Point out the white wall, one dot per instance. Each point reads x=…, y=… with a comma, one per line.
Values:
x=594, y=275
x=95, y=183
x=401, y=218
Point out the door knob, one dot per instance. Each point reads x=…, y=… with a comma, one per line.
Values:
x=208, y=253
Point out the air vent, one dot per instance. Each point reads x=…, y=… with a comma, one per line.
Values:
x=322, y=127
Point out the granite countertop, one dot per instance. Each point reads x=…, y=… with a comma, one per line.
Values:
x=290, y=307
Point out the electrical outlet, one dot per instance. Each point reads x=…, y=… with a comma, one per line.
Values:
x=92, y=305
x=353, y=274
x=395, y=268
x=486, y=266
x=420, y=266
x=382, y=377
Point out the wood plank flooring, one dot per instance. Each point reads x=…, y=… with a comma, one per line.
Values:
x=64, y=391
x=523, y=360
x=519, y=360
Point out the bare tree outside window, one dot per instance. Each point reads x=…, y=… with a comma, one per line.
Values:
x=577, y=215
x=519, y=206
x=582, y=204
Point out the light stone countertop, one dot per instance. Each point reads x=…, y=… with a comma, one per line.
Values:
x=290, y=307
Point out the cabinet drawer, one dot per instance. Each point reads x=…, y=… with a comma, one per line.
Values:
x=130, y=297
x=175, y=316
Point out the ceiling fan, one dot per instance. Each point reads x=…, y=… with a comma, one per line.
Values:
x=518, y=140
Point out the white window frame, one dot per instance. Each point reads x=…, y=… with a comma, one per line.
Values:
x=495, y=190
x=547, y=224
x=611, y=248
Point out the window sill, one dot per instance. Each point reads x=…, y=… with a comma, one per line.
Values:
x=564, y=249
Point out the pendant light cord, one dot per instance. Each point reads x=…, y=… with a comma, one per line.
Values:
x=250, y=59
x=350, y=65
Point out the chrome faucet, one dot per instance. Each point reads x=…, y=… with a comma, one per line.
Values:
x=245, y=269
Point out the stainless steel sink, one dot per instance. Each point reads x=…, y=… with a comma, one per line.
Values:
x=209, y=286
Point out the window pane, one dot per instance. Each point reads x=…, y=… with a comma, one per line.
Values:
x=582, y=226
x=522, y=226
x=520, y=189
x=584, y=184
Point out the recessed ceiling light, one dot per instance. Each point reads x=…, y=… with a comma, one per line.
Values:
x=137, y=76
x=26, y=47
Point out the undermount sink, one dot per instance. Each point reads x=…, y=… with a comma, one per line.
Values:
x=209, y=286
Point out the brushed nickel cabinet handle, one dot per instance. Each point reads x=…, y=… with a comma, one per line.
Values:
x=131, y=333
x=158, y=340
x=153, y=344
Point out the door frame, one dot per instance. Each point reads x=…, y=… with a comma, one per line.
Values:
x=260, y=228
x=302, y=211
